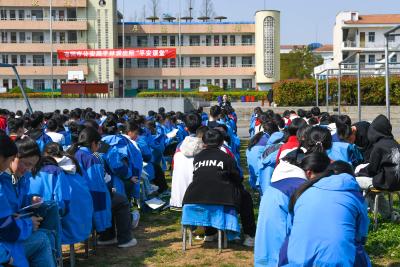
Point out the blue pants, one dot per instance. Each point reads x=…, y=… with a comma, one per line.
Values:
x=38, y=250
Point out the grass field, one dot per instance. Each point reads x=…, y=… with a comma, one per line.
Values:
x=159, y=244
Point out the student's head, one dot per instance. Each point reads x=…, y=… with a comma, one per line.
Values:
x=303, y=132
x=132, y=129
x=27, y=157
x=92, y=123
x=37, y=120
x=270, y=127
x=8, y=151
x=213, y=138
x=295, y=126
x=315, y=111
x=343, y=131
x=201, y=131
x=161, y=110
x=313, y=121
x=110, y=125
x=301, y=113
x=55, y=151
x=318, y=140
x=192, y=122
x=225, y=98
x=52, y=125
x=278, y=120
x=16, y=126
x=89, y=138
x=215, y=111
x=315, y=164
x=339, y=167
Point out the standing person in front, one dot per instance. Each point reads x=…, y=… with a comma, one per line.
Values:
x=273, y=219
x=27, y=245
x=330, y=222
x=216, y=181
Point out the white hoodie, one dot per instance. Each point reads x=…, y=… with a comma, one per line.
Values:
x=182, y=174
x=66, y=164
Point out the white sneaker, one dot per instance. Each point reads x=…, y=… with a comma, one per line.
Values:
x=210, y=238
x=135, y=218
x=248, y=241
x=131, y=243
x=108, y=242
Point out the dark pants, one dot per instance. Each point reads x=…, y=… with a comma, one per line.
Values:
x=246, y=213
x=159, y=179
x=121, y=220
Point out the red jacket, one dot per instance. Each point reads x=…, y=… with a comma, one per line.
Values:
x=291, y=144
x=3, y=123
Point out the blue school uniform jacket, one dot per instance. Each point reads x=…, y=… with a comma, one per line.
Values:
x=93, y=173
x=253, y=158
x=273, y=220
x=345, y=152
x=267, y=162
x=14, y=231
x=330, y=225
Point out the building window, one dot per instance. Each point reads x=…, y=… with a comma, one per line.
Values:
x=73, y=62
x=247, y=40
x=371, y=58
x=164, y=63
x=37, y=14
x=194, y=40
x=247, y=84
x=62, y=37
x=38, y=60
x=156, y=63
x=142, y=41
x=37, y=37
x=157, y=84
x=4, y=59
x=172, y=40
x=362, y=58
x=21, y=14
x=194, y=84
x=208, y=40
x=128, y=63
x=233, y=61
x=371, y=37
x=156, y=41
x=224, y=40
x=71, y=14
x=209, y=82
x=38, y=85
x=216, y=40
x=164, y=40
x=55, y=60
x=13, y=15
x=165, y=84
x=14, y=83
x=269, y=47
x=143, y=62
x=22, y=60
x=216, y=82
x=216, y=61
x=194, y=62
x=72, y=37
x=232, y=40
x=13, y=37
x=5, y=83
x=247, y=61
x=392, y=38
x=172, y=62
x=3, y=14
x=225, y=62
x=4, y=37
x=22, y=37
x=209, y=62
x=393, y=59
x=14, y=59
x=143, y=84
x=233, y=83
x=173, y=84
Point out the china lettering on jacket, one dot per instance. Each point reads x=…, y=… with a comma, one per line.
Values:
x=209, y=163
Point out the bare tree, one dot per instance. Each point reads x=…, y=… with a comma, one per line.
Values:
x=143, y=16
x=190, y=6
x=154, y=7
x=208, y=9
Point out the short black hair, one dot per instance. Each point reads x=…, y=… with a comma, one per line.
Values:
x=27, y=147
x=213, y=138
x=52, y=125
x=316, y=111
x=193, y=122
x=15, y=124
x=215, y=111
x=7, y=146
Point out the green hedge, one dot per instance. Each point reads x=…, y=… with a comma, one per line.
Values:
x=35, y=95
x=210, y=96
x=302, y=92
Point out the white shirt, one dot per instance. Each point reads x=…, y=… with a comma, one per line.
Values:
x=56, y=137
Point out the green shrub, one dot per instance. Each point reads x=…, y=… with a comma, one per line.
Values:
x=35, y=95
x=209, y=96
x=302, y=92
x=17, y=90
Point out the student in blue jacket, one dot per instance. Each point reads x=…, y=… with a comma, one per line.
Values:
x=273, y=219
x=93, y=173
x=20, y=237
x=255, y=150
x=76, y=220
x=36, y=130
x=330, y=222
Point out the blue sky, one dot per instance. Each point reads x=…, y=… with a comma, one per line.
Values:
x=302, y=21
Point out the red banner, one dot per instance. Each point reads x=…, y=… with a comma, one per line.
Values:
x=117, y=53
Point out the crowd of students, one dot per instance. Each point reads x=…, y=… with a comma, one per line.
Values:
x=311, y=169
x=67, y=174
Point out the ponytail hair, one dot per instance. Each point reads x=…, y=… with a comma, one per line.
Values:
x=335, y=168
x=318, y=140
x=86, y=137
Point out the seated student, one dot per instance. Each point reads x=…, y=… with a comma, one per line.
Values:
x=16, y=128
x=36, y=130
x=93, y=169
x=359, y=138
x=216, y=181
x=3, y=119
x=256, y=148
x=274, y=208
x=253, y=120
x=383, y=170
x=212, y=122
x=61, y=172
x=182, y=174
x=52, y=131
x=330, y=222
x=20, y=236
x=291, y=143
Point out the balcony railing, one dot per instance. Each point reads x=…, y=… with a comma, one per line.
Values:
x=350, y=43
x=37, y=42
x=44, y=18
x=40, y=64
x=127, y=44
x=190, y=66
